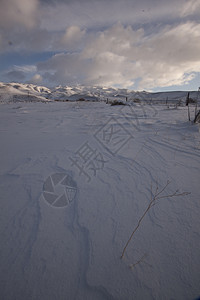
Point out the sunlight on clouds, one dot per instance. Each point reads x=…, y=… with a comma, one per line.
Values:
x=120, y=55
x=129, y=44
x=173, y=45
x=171, y=75
x=36, y=79
x=123, y=54
x=72, y=36
x=117, y=39
x=108, y=68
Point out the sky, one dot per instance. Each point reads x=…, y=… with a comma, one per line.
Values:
x=151, y=45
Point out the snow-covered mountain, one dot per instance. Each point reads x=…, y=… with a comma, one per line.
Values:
x=30, y=92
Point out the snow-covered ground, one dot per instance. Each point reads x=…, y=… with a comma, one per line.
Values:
x=105, y=163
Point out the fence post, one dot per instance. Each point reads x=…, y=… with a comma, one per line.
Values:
x=188, y=112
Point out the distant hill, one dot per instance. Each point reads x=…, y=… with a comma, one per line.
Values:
x=17, y=92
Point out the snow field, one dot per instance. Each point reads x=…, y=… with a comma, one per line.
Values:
x=73, y=252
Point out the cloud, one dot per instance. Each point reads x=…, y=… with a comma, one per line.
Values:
x=19, y=73
x=26, y=68
x=63, y=69
x=36, y=79
x=44, y=25
x=123, y=56
x=15, y=75
x=118, y=39
x=18, y=19
x=190, y=7
x=40, y=40
x=26, y=73
x=95, y=14
x=18, y=12
x=140, y=44
x=72, y=36
x=170, y=57
x=108, y=68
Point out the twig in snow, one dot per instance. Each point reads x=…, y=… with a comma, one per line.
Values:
x=154, y=198
x=138, y=262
